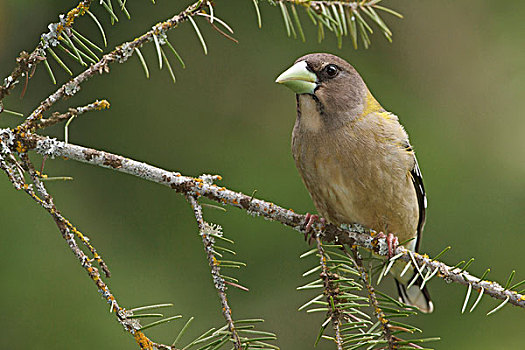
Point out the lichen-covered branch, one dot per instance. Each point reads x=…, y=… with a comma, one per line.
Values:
x=198, y=188
x=330, y=290
x=378, y=311
x=72, y=112
x=218, y=281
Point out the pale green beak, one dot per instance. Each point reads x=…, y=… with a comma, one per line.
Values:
x=298, y=78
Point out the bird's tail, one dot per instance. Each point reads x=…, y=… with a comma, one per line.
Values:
x=415, y=296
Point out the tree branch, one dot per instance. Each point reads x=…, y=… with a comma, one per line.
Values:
x=218, y=280
x=72, y=112
x=197, y=187
x=331, y=291
x=378, y=311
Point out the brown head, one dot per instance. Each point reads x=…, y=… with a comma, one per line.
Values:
x=338, y=90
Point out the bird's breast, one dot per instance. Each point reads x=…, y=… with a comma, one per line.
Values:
x=353, y=180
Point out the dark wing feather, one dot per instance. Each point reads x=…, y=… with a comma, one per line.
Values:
x=417, y=180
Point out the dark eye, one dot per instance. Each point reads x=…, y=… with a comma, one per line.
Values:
x=331, y=70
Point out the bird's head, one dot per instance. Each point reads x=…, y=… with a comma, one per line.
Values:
x=331, y=81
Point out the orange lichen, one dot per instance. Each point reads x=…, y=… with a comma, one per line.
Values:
x=20, y=148
x=74, y=13
x=102, y=105
x=143, y=341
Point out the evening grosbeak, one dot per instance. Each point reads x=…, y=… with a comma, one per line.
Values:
x=355, y=159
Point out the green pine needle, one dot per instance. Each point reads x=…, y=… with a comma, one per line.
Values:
x=101, y=29
x=258, y=12
x=168, y=65
x=86, y=40
x=156, y=323
x=50, y=72
x=151, y=307
x=199, y=35
x=182, y=331
x=298, y=22
x=142, y=62
x=179, y=59
x=59, y=61
x=12, y=113
x=157, y=47
x=109, y=9
x=509, y=280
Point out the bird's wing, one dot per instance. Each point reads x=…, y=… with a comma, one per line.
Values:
x=417, y=180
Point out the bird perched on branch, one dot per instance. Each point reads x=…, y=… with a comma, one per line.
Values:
x=355, y=159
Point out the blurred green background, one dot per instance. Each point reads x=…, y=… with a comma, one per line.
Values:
x=455, y=75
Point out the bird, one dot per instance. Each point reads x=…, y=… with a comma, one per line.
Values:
x=356, y=160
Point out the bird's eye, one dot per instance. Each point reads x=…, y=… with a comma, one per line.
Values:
x=331, y=70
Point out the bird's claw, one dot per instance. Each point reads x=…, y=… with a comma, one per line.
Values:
x=391, y=241
x=309, y=220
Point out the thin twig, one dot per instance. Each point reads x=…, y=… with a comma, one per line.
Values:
x=218, y=281
x=331, y=294
x=378, y=312
x=57, y=118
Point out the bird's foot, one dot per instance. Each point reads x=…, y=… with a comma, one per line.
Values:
x=309, y=220
x=391, y=241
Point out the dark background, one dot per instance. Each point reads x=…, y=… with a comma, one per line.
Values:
x=454, y=74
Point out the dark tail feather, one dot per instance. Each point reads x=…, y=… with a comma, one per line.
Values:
x=415, y=296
